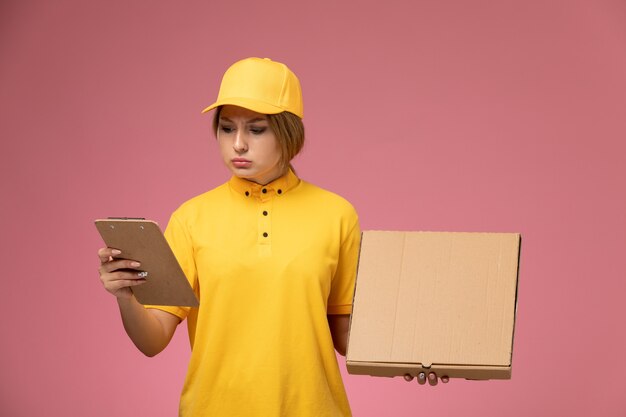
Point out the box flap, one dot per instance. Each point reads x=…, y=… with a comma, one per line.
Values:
x=435, y=298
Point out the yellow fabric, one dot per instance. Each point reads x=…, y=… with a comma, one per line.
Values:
x=260, y=340
x=261, y=85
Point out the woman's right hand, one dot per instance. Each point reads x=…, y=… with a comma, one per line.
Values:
x=118, y=275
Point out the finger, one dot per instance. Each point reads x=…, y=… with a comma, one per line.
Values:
x=119, y=264
x=445, y=379
x=432, y=379
x=123, y=283
x=408, y=377
x=127, y=276
x=105, y=254
x=115, y=280
x=421, y=378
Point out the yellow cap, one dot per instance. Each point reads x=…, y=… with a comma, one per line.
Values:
x=260, y=85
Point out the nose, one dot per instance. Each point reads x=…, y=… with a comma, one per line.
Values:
x=240, y=145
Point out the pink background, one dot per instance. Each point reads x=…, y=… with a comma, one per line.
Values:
x=427, y=115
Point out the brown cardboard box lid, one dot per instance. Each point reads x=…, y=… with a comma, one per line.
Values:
x=438, y=301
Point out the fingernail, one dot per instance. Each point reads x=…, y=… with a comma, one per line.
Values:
x=116, y=252
x=142, y=274
x=432, y=377
x=421, y=375
x=135, y=264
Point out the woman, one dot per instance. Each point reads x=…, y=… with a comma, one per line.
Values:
x=272, y=259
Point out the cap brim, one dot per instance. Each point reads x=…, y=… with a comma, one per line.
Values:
x=254, y=105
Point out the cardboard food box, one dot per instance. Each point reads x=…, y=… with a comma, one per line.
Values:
x=435, y=301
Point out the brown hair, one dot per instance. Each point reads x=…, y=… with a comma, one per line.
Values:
x=288, y=129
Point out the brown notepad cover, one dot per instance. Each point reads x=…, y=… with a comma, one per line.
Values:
x=143, y=241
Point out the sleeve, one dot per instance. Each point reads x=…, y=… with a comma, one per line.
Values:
x=177, y=236
x=342, y=287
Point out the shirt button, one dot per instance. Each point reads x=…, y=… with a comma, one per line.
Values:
x=264, y=234
x=247, y=193
x=264, y=190
x=265, y=213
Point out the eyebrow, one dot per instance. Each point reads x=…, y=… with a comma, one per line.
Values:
x=255, y=120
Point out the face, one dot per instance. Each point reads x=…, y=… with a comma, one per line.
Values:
x=248, y=146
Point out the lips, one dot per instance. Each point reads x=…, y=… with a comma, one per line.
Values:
x=241, y=162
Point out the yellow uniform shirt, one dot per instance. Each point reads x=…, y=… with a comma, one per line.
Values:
x=268, y=264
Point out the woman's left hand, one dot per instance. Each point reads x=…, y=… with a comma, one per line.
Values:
x=432, y=378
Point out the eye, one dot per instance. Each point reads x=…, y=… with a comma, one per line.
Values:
x=257, y=130
x=226, y=129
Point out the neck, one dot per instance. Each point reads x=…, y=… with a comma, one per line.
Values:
x=269, y=178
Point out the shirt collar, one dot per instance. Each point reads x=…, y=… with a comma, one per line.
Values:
x=279, y=187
